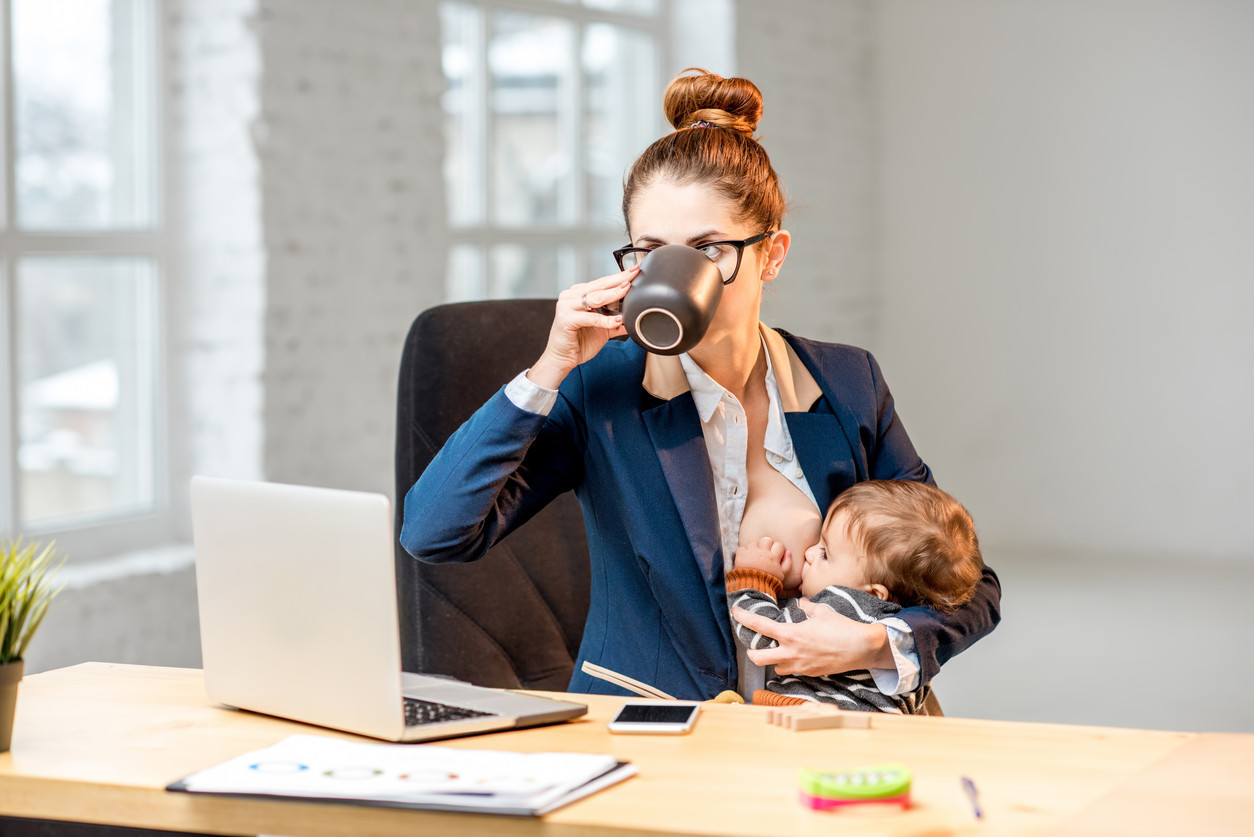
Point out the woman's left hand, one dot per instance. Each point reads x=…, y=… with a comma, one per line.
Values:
x=825, y=643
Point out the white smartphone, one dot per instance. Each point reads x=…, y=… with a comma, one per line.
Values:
x=669, y=716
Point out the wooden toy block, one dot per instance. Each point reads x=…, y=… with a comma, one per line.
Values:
x=817, y=716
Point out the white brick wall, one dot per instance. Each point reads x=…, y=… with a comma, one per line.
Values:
x=216, y=275
x=308, y=140
x=350, y=148
x=140, y=608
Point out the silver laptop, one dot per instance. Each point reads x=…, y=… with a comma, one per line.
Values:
x=298, y=618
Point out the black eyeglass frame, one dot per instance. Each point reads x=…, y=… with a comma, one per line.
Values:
x=739, y=245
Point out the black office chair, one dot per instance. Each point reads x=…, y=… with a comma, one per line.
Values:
x=515, y=617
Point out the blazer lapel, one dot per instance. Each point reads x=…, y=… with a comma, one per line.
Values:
x=824, y=432
x=826, y=458
x=829, y=404
x=675, y=429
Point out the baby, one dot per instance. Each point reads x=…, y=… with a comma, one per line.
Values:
x=884, y=545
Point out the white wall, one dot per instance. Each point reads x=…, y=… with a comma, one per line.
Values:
x=1067, y=265
x=813, y=61
x=1046, y=210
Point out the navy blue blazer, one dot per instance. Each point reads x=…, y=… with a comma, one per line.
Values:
x=637, y=462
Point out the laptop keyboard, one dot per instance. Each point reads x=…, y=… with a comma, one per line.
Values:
x=421, y=712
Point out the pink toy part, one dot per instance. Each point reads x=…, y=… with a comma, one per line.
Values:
x=821, y=803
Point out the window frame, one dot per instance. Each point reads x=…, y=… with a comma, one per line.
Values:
x=582, y=235
x=92, y=537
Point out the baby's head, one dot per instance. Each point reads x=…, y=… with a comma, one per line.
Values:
x=907, y=542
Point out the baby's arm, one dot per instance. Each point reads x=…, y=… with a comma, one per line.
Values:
x=750, y=589
x=755, y=584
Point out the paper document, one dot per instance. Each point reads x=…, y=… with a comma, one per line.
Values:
x=410, y=775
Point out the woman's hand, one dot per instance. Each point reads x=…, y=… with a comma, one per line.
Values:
x=579, y=329
x=825, y=643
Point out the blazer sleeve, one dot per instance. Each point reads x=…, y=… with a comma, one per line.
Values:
x=492, y=475
x=937, y=636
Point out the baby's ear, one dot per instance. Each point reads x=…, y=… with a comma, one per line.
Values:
x=879, y=591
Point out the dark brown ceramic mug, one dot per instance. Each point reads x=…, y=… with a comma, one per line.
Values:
x=672, y=299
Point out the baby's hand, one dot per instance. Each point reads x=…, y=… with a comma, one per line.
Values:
x=765, y=554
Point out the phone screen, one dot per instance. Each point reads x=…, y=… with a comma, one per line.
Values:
x=654, y=713
x=668, y=717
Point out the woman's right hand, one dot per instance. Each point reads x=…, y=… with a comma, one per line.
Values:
x=579, y=330
x=825, y=642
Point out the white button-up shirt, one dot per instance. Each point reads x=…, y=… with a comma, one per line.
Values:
x=726, y=430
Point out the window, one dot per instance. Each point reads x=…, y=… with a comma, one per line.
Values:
x=81, y=272
x=547, y=104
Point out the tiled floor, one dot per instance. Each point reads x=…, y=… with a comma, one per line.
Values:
x=1161, y=645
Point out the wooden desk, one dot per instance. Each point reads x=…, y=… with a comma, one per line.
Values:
x=98, y=742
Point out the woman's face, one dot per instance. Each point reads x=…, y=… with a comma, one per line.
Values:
x=666, y=212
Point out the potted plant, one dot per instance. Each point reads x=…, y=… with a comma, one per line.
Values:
x=26, y=572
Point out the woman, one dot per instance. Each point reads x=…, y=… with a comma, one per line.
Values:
x=676, y=460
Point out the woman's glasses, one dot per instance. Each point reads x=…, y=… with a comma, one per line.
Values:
x=725, y=254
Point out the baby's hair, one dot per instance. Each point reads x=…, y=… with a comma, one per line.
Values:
x=919, y=541
x=713, y=144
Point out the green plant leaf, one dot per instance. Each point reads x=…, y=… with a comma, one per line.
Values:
x=26, y=571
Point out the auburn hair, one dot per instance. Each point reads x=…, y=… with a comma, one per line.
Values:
x=919, y=542
x=713, y=144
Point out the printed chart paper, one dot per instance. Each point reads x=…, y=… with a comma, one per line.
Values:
x=410, y=775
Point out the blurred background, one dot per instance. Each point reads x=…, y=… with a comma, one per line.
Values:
x=219, y=218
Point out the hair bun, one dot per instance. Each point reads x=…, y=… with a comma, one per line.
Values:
x=733, y=103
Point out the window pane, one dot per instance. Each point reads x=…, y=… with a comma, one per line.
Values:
x=520, y=271
x=620, y=68
x=85, y=386
x=530, y=61
x=83, y=90
x=463, y=108
x=600, y=259
x=465, y=274
x=643, y=7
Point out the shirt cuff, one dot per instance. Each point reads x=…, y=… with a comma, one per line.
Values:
x=905, y=679
x=526, y=394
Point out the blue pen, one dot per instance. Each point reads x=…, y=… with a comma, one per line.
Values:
x=974, y=795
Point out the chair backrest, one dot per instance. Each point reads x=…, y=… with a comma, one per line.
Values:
x=515, y=617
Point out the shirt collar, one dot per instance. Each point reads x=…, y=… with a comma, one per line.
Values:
x=708, y=393
x=665, y=378
x=777, y=439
